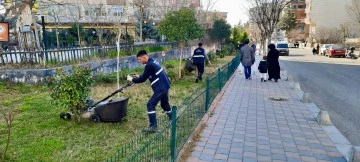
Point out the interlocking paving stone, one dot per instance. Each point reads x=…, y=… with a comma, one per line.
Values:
x=247, y=126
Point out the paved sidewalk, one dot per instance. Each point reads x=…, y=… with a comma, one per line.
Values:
x=247, y=126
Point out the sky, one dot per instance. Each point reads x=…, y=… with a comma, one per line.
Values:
x=236, y=10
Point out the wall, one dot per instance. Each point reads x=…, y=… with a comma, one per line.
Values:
x=36, y=76
x=328, y=13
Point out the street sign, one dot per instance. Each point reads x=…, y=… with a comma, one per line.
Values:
x=4, y=31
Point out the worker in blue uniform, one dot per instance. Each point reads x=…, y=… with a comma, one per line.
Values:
x=160, y=84
x=198, y=58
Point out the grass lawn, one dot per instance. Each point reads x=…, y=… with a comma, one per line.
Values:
x=40, y=135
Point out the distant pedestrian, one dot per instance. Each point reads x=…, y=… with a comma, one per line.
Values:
x=247, y=58
x=274, y=66
x=263, y=68
x=314, y=51
x=254, y=47
x=199, y=58
x=317, y=48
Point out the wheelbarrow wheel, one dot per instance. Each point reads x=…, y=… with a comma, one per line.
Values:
x=95, y=118
x=65, y=116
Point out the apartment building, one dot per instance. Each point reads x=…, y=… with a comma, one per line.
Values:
x=297, y=8
x=327, y=14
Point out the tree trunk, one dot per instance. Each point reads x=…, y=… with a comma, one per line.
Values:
x=57, y=38
x=181, y=53
x=263, y=42
x=118, y=59
x=78, y=33
x=42, y=55
x=8, y=134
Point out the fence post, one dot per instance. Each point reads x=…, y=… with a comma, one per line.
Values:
x=207, y=99
x=173, y=134
x=228, y=71
x=219, y=79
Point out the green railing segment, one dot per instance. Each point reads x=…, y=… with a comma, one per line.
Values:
x=171, y=136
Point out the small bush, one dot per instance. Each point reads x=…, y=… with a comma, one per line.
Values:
x=157, y=48
x=170, y=64
x=70, y=91
x=172, y=75
x=107, y=79
x=212, y=56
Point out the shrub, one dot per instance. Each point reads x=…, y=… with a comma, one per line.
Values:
x=103, y=78
x=157, y=48
x=212, y=56
x=170, y=64
x=172, y=75
x=70, y=91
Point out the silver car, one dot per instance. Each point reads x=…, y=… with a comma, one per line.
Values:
x=283, y=49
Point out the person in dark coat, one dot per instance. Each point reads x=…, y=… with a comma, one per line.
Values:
x=274, y=66
x=263, y=68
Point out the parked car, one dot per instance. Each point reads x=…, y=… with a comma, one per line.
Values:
x=283, y=48
x=336, y=50
x=323, y=48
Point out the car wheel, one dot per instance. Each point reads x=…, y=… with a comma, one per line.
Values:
x=95, y=118
x=65, y=116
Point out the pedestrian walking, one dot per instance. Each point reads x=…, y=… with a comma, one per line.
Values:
x=199, y=58
x=317, y=48
x=263, y=68
x=314, y=51
x=247, y=58
x=160, y=84
x=254, y=47
x=274, y=66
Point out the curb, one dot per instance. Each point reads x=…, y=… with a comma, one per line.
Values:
x=340, y=141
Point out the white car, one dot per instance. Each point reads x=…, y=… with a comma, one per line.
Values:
x=324, y=47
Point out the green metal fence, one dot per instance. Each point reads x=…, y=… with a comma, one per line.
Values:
x=166, y=143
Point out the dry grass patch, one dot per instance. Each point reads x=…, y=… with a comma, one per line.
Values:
x=40, y=135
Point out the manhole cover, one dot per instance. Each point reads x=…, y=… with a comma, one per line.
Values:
x=278, y=99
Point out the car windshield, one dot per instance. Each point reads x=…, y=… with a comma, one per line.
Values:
x=338, y=47
x=327, y=45
x=282, y=46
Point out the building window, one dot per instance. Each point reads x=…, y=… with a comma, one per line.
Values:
x=301, y=6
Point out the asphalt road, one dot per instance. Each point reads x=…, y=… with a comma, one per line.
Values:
x=334, y=86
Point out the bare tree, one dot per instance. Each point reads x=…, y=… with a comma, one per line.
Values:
x=296, y=35
x=354, y=9
x=142, y=7
x=7, y=115
x=75, y=13
x=55, y=12
x=97, y=15
x=205, y=7
x=266, y=15
x=327, y=35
